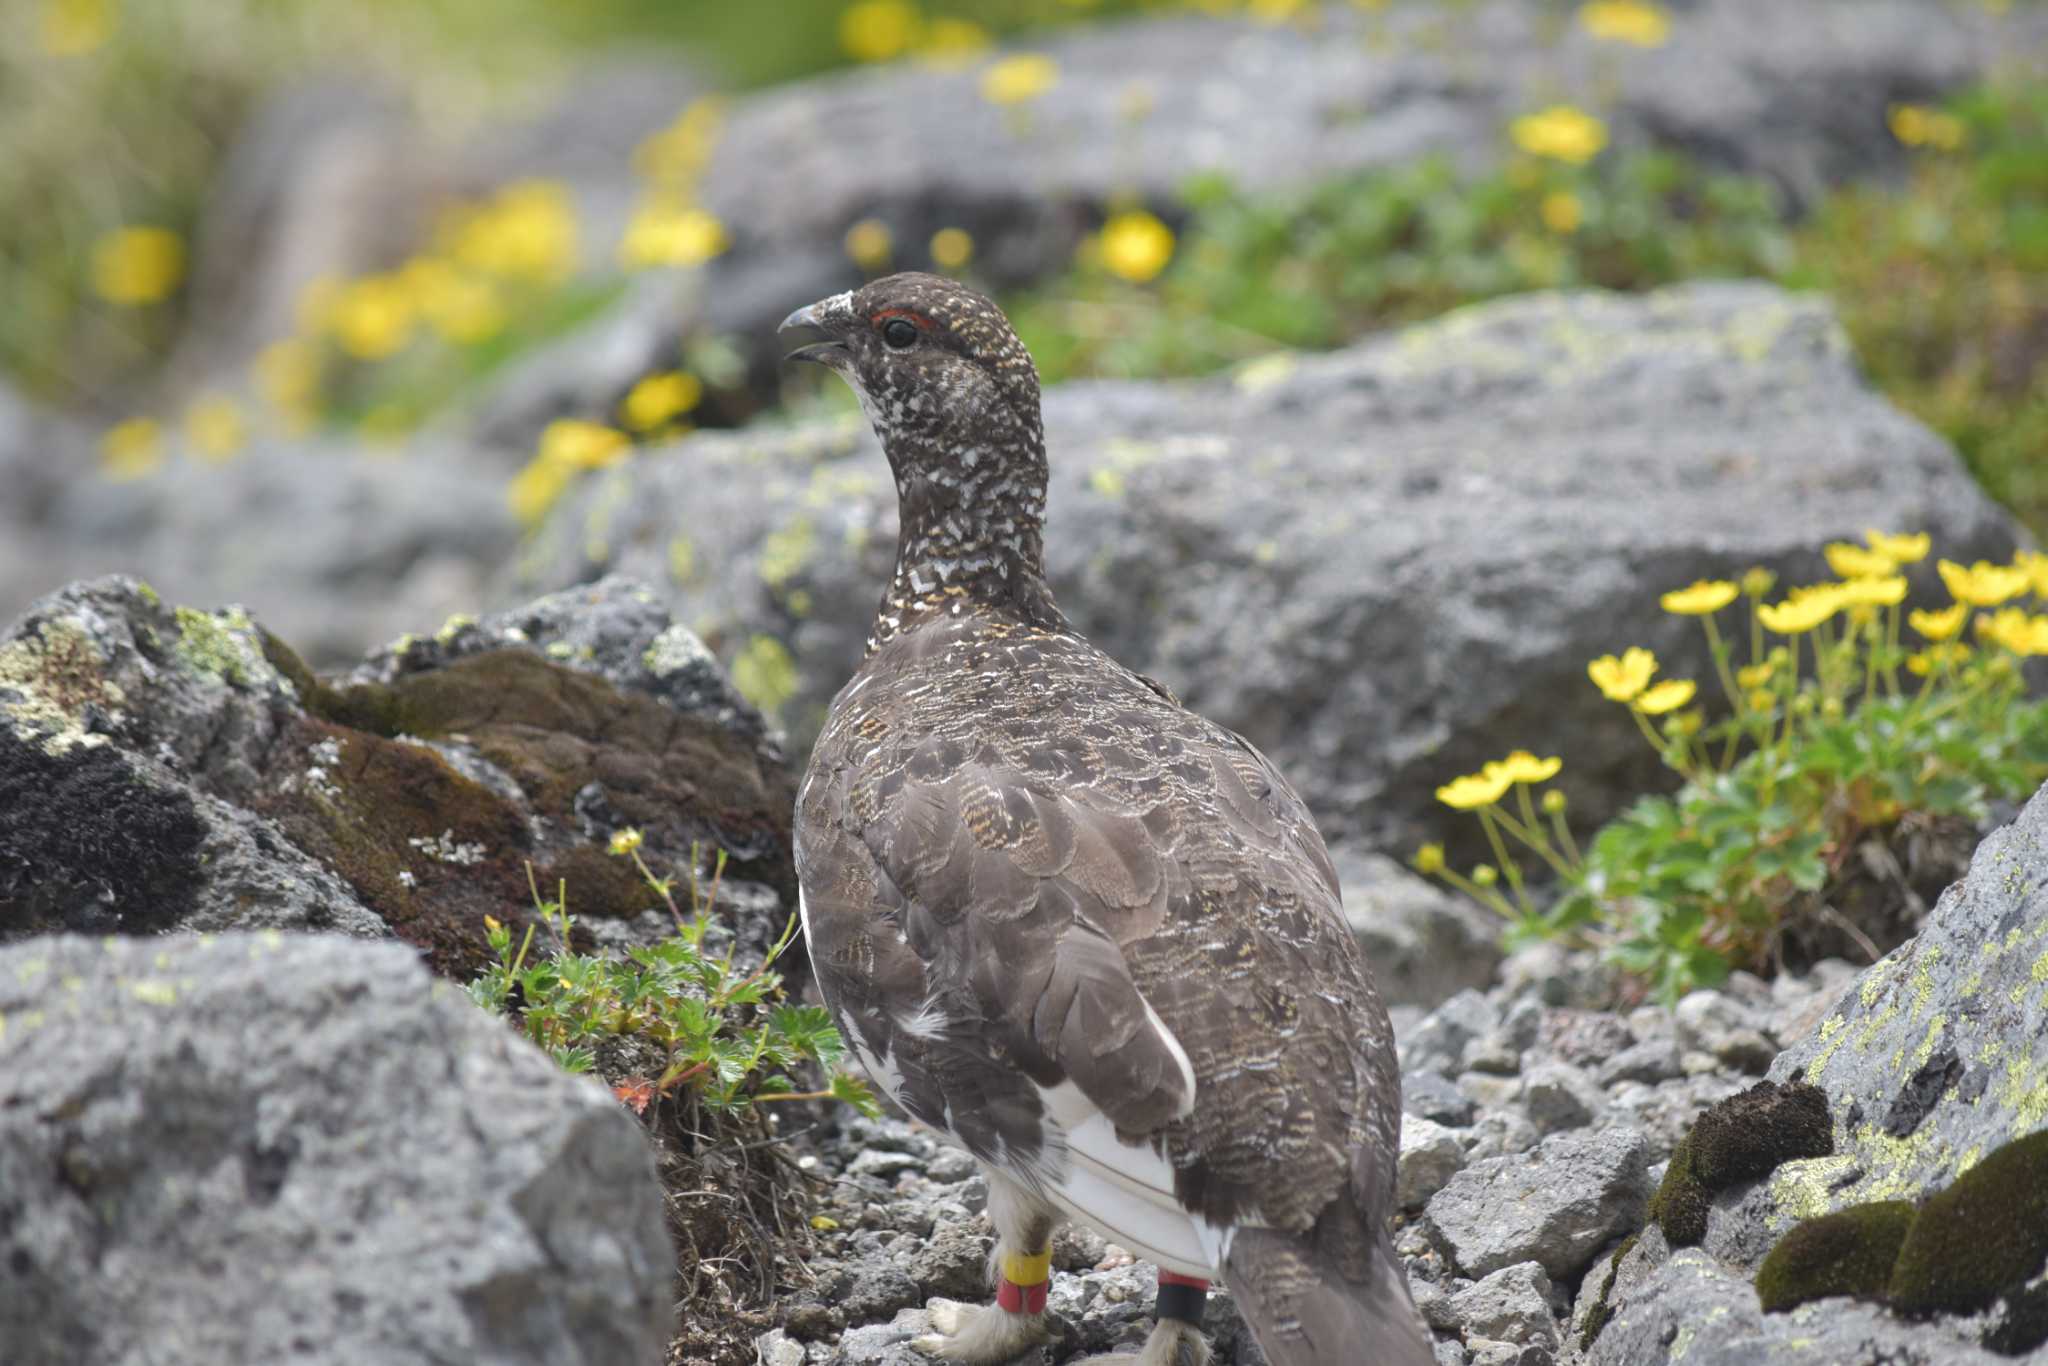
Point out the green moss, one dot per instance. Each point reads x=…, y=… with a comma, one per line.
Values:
x=1849, y=1252
x=1597, y=1318
x=1984, y=1236
x=1743, y=1137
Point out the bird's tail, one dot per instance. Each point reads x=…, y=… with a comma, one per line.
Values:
x=1309, y=1304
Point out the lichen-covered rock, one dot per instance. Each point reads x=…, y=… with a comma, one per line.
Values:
x=1938, y=1054
x=1748, y=1135
x=1315, y=552
x=1694, y=1309
x=270, y=1148
x=1983, y=1237
x=165, y=768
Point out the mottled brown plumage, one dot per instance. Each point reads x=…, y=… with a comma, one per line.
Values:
x=1091, y=934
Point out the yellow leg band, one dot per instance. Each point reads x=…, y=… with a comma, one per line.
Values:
x=1033, y=1270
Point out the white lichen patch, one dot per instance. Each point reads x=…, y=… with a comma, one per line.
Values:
x=1805, y=1188
x=49, y=682
x=675, y=649
x=444, y=848
x=322, y=759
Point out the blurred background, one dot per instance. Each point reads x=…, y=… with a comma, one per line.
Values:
x=326, y=305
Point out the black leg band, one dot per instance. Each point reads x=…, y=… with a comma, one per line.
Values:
x=1183, y=1302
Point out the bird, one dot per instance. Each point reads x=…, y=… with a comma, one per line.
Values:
x=1088, y=934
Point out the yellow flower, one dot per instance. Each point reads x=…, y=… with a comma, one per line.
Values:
x=1755, y=675
x=1524, y=767
x=526, y=231
x=1484, y=875
x=1669, y=695
x=675, y=156
x=462, y=307
x=670, y=235
x=658, y=398
x=1429, y=859
x=132, y=449
x=1013, y=80
x=1852, y=561
x=1915, y=125
x=1928, y=660
x=1553, y=803
x=133, y=266
x=1802, y=610
x=1619, y=680
x=951, y=248
x=2022, y=634
x=215, y=427
x=374, y=317
x=1136, y=246
x=1886, y=591
x=952, y=43
x=1942, y=625
x=1702, y=598
x=625, y=841
x=72, y=28
x=1475, y=789
x=1561, y=212
x=535, y=488
x=1900, y=549
x=1983, y=584
x=1561, y=133
x=576, y=444
x=492, y=922
x=2035, y=566
x=1276, y=11
x=1757, y=581
x=1762, y=699
x=1626, y=21
x=868, y=243
x=876, y=30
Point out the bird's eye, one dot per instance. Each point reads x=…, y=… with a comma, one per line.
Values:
x=900, y=334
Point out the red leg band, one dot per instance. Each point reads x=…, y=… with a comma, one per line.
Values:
x=1013, y=1298
x=1180, y=1297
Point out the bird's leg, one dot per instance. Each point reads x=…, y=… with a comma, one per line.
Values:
x=1176, y=1338
x=1021, y=1266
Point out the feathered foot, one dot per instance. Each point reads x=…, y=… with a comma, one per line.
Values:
x=980, y=1336
x=1172, y=1343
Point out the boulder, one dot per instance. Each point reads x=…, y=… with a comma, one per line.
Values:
x=1931, y=1060
x=1555, y=1205
x=258, y=1147
x=1384, y=565
x=165, y=768
x=1798, y=96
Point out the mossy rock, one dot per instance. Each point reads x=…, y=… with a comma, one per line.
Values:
x=1743, y=1137
x=1598, y=1316
x=1849, y=1252
x=1983, y=1237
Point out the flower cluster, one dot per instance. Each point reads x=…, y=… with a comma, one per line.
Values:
x=1826, y=735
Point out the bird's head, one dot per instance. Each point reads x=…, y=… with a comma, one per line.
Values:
x=950, y=390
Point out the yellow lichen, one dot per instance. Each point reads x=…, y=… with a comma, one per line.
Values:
x=1831, y=1037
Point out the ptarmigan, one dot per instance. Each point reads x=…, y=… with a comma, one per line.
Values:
x=1092, y=936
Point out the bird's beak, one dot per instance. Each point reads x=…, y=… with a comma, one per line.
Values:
x=812, y=333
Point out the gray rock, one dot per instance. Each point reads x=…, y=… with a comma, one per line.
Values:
x=1493, y=1055
x=1935, y=1055
x=1430, y=1155
x=1585, y=1038
x=1511, y=1305
x=1439, y=1042
x=775, y=1348
x=1492, y=1352
x=1714, y=1023
x=334, y=547
x=883, y=1344
x=1558, y=1096
x=1556, y=1205
x=1693, y=1309
x=1424, y=943
x=261, y=1148
x=1652, y=1060
x=1264, y=545
x=1433, y=1096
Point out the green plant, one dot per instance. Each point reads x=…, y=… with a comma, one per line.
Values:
x=1836, y=731
x=725, y=1034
